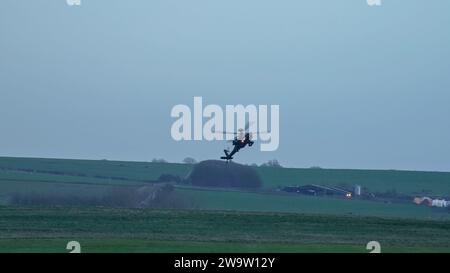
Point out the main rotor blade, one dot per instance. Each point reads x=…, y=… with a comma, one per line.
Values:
x=259, y=133
x=227, y=133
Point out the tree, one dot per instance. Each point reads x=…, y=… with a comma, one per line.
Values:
x=215, y=173
x=272, y=163
x=161, y=160
x=189, y=160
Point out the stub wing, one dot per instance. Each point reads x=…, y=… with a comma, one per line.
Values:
x=227, y=155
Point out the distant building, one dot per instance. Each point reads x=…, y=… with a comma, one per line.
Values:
x=441, y=203
x=423, y=201
x=357, y=190
x=319, y=190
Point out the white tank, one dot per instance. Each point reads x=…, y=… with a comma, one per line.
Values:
x=357, y=190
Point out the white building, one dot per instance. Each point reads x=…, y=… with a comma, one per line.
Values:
x=440, y=203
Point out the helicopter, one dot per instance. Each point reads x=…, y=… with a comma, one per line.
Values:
x=242, y=138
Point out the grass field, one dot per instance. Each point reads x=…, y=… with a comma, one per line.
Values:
x=216, y=199
x=410, y=182
x=151, y=246
x=94, y=178
x=136, y=230
x=143, y=171
x=224, y=220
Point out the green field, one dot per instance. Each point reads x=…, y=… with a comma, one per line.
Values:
x=215, y=199
x=95, y=177
x=410, y=182
x=137, y=230
x=144, y=171
x=224, y=220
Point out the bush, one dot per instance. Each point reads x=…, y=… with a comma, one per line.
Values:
x=272, y=163
x=221, y=174
x=189, y=160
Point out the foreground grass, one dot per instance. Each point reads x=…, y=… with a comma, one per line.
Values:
x=135, y=230
x=149, y=246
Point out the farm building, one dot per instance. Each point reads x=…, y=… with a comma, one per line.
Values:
x=441, y=203
x=319, y=190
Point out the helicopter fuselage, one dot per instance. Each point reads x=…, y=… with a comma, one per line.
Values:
x=238, y=145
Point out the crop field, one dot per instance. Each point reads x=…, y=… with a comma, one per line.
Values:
x=101, y=169
x=94, y=178
x=408, y=182
x=214, y=199
x=220, y=220
x=97, y=171
x=137, y=230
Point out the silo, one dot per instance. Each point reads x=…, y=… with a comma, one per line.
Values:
x=357, y=190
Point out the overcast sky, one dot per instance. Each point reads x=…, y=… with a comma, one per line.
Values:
x=358, y=86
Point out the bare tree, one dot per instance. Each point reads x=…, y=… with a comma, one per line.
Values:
x=161, y=160
x=272, y=163
x=189, y=160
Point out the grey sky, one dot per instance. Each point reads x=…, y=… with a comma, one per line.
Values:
x=358, y=86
